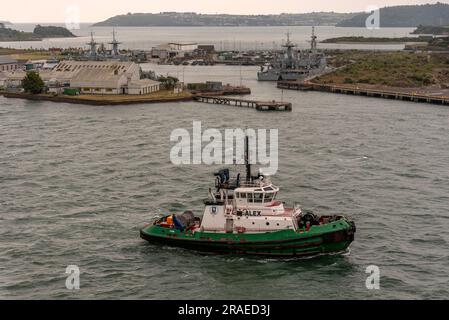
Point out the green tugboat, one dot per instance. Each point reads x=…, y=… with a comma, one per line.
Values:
x=245, y=217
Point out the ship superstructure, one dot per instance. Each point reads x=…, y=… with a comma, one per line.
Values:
x=293, y=64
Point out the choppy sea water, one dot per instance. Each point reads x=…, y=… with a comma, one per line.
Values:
x=77, y=182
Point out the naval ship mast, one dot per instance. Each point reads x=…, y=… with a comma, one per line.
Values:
x=93, y=46
x=313, y=40
x=289, y=63
x=114, y=44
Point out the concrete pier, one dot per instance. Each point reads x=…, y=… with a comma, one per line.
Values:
x=355, y=90
x=258, y=105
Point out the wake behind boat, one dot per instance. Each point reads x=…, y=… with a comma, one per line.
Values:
x=244, y=216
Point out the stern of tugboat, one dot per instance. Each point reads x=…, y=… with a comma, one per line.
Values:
x=340, y=236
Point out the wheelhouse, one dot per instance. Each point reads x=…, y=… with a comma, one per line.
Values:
x=255, y=196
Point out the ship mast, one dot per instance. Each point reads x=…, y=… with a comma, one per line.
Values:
x=93, y=46
x=247, y=160
x=313, y=40
x=115, y=44
x=289, y=45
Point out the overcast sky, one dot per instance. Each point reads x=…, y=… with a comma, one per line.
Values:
x=98, y=10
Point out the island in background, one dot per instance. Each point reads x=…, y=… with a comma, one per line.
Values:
x=39, y=33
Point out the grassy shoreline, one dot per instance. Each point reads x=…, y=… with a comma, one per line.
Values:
x=391, y=69
x=28, y=54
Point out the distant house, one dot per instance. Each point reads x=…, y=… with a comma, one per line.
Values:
x=8, y=64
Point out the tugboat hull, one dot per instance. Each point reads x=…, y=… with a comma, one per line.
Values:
x=322, y=239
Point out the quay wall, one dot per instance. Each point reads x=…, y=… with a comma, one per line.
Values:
x=354, y=90
x=95, y=102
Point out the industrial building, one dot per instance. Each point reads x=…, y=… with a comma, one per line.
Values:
x=143, y=86
x=183, y=47
x=12, y=80
x=103, y=77
x=91, y=77
x=172, y=50
x=206, y=49
x=3, y=79
x=8, y=64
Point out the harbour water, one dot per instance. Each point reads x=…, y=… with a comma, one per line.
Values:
x=77, y=182
x=224, y=38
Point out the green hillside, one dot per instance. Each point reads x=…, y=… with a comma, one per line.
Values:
x=405, y=16
x=52, y=32
x=194, y=19
x=39, y=33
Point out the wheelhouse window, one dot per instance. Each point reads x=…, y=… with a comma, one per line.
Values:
x=250, y=197
x=268, y=197
x=258, y=197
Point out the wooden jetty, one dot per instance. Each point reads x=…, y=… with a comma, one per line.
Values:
x=258, y=105
x=355, y=90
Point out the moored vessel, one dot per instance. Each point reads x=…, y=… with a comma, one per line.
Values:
x=292, y=65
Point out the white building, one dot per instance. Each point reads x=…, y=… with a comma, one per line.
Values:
x=185, y=47
x=171, y=50
x=13, y=79
x=3, y=79
x=8, y=64
x=143, y=86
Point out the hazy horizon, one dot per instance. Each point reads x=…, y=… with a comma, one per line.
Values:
x=91, y=12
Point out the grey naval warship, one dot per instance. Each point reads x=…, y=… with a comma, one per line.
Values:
x=293, y=64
